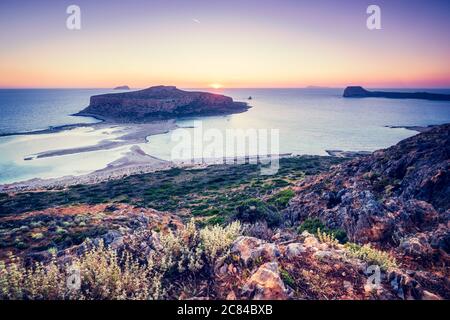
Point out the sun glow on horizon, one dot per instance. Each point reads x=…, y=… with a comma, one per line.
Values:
x=216, y=86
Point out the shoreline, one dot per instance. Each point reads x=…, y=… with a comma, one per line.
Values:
x=130, y=134
x=414, y=128
x=134, y=162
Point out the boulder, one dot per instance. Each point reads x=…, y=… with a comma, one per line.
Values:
x=266, y=284
x=294, y=250
x=245, y=247
x=250, y=249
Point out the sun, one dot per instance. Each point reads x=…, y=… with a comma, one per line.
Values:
x=216, y=85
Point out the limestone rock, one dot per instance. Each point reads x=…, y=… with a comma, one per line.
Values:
x=294, y=250
x=266, y=283
x=250, y=249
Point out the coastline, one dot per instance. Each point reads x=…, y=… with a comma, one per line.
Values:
x=414, y=128
x=129, y=134
x=134, y=162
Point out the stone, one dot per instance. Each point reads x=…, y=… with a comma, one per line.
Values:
x=427, y=295
x=320, y=255
x=250, y=249
x=244, y=247
x=266, y=283
x=294, y=250
x=311, y=242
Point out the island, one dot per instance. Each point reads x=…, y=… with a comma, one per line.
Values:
x=157, y=103
x=122, y=88
x=360, y=92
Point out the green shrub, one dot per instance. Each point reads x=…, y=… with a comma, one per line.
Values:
x=371, y=255
x=254, y=210
x=282, y=198
x=287, y=278
x=37, y=235
x=217, y=220
x=340, y=235
x=313, y=224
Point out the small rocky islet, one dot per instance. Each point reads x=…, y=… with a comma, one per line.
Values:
x=159, y=102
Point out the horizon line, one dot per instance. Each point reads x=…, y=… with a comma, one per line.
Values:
x=231, y=87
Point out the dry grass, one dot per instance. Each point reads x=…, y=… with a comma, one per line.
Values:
x=104, y=274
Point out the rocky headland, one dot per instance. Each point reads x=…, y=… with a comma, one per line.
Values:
x=160, y=102
x=397, y=198
x=360, y=92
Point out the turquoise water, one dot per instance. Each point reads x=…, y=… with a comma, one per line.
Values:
x=314, y=120
x=310, y=121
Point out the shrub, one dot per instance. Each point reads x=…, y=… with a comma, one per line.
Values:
x=215, y=240
x=327, y=238
x=287, y=278
x=312, y=225
x=105, y=274
x=282, y=198
x=340, y=235
x=37, y=235
x=371, y=255
x=258, y=230
x=254, y=210
x=217, y=220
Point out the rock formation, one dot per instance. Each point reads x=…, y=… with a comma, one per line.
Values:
x=122, y=88
x=360, y=92
x=161, y=102
x=398, y=197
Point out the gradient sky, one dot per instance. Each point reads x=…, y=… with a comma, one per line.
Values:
x=235, y=43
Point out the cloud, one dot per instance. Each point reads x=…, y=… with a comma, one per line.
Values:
x=196, y=20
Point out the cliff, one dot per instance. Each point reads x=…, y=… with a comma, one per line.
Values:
x=160, y=102
x=360, y=92
x=398, y=197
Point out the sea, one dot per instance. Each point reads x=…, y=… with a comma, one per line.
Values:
x=307, y=121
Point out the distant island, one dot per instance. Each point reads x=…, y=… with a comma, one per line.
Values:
x=360, y=92
x=157, y=103
x=317, y=87
x=122, y=88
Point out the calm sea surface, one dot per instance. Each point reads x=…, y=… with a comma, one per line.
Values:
x=310, y=121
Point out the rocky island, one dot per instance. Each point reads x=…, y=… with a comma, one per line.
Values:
x=160, y=102
x=360, y=92
x=122, y=88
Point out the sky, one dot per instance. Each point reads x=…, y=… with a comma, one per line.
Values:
x=233, y=43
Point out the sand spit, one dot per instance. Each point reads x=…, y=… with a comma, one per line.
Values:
x=125, y=134
x=135, y=161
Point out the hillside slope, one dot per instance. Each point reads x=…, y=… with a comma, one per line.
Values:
x=398, y=197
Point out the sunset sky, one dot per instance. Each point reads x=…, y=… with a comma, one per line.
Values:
x=233, y=43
